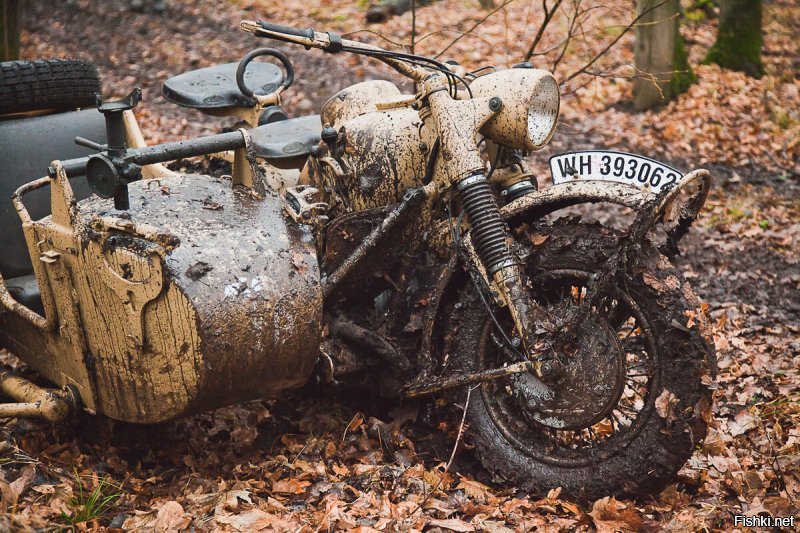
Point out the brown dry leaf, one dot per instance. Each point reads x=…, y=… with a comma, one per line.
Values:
x=299, y=262
x=691, y=316
x=538, y=239
x=252, y=520
x=171, y=517
x=611, y=515
x=476, y=490
x=743, y=422
x=653, y=281
x=231, y=500
x=12, y=491
x=290, y=486
x=355, y=423
x=208, y=203
x=665, y=405
x=453, y=524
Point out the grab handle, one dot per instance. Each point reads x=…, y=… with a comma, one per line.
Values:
x=287, y=65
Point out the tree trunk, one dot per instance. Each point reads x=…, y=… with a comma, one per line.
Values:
x=738, y=44
x=9, y=30
x=662, y=68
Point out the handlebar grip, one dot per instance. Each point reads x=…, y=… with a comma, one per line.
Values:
x=287, y=30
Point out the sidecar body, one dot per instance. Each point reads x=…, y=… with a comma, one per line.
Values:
x=202, y=294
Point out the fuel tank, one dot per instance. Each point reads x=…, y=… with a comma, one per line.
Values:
x=201, y=295
x=379, y=151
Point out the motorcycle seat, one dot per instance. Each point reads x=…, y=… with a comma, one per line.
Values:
x=215, y=87
x=286, y=138
x=25, y=290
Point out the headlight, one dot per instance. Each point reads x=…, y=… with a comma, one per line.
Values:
x=530, y=106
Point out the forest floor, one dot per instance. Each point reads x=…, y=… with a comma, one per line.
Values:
x=324, y=461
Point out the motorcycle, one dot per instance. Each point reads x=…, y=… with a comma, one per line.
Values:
x=397, y=240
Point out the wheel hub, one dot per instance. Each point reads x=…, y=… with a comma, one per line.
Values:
x=587, y=375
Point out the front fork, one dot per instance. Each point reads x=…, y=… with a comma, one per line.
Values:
x=491, y=243
x=457, y=124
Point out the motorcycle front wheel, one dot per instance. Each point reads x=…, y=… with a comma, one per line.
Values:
x=630, y=371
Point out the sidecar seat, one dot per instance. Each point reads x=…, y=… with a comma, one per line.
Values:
x=214, y=88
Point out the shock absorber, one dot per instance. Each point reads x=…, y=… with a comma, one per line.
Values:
x=488, y=232
x=489, y=238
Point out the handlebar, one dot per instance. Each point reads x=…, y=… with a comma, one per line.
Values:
x=286, y=30
x=331, y=42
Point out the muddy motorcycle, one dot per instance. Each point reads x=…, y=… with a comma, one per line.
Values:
x=398, y=240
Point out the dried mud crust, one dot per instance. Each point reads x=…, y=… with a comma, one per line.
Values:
x=59, y=84
x=665, y=440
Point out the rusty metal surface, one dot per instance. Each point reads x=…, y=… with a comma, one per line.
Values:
x=377, y=156
x=530, y=94
x=356, y=100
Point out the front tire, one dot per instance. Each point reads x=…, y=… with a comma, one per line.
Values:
x=640, y=372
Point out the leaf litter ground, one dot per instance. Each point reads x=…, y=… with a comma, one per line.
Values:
x=330, y=460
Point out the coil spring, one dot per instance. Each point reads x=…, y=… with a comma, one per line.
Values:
x=488, y=231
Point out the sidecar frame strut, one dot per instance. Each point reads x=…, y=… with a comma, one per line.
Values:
x=459, y=380
x=34, y=401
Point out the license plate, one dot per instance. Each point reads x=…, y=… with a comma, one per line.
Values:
x=602, y=165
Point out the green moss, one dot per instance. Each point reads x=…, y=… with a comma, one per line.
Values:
x=683, y=76
x=738, y=44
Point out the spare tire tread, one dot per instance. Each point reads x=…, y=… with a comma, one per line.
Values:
x=44, y=84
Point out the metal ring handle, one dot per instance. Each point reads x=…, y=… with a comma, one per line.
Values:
x=287, y=82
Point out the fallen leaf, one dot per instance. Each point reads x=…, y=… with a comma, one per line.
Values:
x=171, y=517
x=453, y=524
x=665, y=405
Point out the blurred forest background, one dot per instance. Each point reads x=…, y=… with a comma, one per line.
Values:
x=695, y=83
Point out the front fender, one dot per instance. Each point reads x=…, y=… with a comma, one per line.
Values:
x=536, y=205
x=649, y=207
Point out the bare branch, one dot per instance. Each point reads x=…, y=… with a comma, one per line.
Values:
x=548, y=16
x=610, y=45
x=481, y=21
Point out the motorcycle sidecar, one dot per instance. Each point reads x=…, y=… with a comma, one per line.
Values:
x=202, y=294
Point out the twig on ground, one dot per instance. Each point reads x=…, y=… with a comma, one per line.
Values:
x=452, y=454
